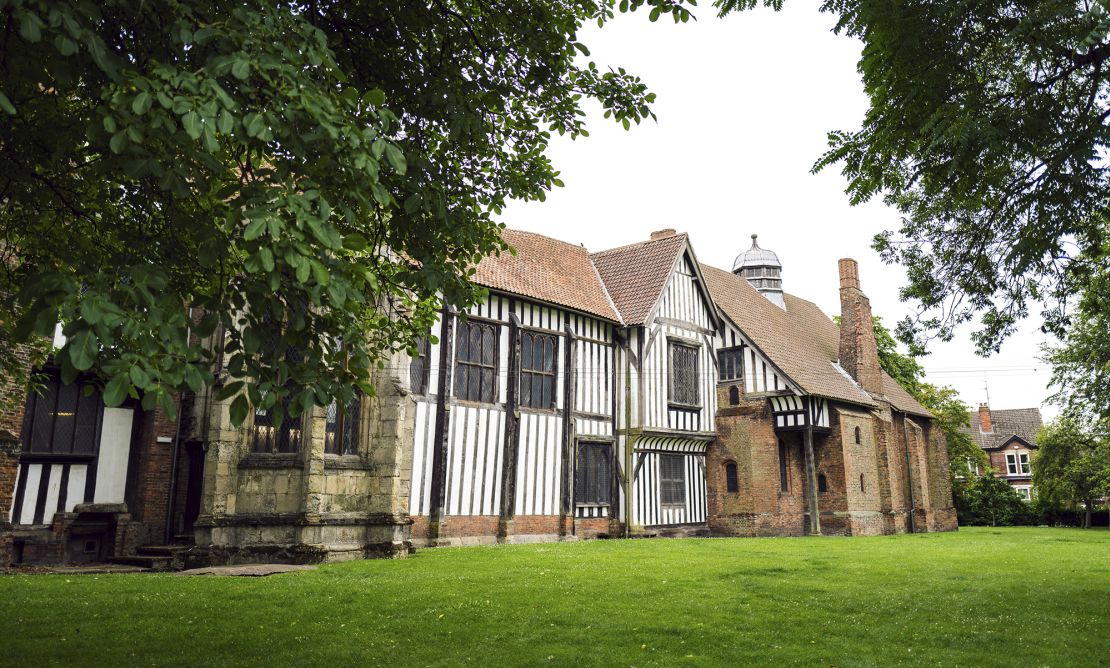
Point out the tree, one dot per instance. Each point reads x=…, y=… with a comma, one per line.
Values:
x=949, y=413
x=306, y=181
x=1072, y=466
x=1081, y=362
x=994, y=502
x=986, y=127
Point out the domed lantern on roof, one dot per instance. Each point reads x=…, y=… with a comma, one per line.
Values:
x=762, y=269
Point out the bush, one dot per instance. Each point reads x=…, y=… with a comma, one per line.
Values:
x=991, y=501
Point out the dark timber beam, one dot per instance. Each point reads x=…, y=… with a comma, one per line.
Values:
x=569, y=377
x=811, y=479
x=443, y=423
x=512, y=423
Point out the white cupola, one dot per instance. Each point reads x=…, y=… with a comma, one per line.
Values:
x=762, y=269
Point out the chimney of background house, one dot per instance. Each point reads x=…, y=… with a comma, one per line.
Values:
x=859, y=355
x=985, y=419
x=663, y=234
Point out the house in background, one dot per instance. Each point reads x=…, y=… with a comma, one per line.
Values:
x=1009, y=437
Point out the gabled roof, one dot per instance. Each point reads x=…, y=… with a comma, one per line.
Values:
x=635, y=275
x=1024, y=423
x=549, y=271
x=801, y=340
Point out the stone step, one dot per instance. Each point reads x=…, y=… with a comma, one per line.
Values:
x=153, y=562
x=163, y=550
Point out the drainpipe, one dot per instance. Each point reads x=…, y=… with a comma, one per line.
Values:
x=172, y=496
x=909, y=470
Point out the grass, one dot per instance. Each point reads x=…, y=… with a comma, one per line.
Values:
x=979, y=596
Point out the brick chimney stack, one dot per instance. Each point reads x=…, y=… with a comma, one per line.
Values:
x=985, y=426
x=663, y=234
x=859, y=355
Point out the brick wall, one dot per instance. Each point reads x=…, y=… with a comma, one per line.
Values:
x=746, y=436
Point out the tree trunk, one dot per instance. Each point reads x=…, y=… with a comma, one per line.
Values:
x=1087, y=515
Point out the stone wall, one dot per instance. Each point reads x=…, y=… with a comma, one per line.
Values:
x=308, y=506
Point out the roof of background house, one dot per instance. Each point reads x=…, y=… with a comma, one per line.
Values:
x=801, y=340
x=1005, y=424
x=636, y=274
x=548, y=270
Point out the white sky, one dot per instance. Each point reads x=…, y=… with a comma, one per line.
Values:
x=744, y=105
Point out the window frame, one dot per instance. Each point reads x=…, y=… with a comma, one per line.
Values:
x=1023, y=463
x=732, y=478
x=533, y=373
x=784, y=472
x=469, y=365
x=724, y=354
x=288, y=425
x=593, y=487
x=424, y=350
x=673, y=378
x=669, y=483
x=1011, y=463
x=31, y=415
x=347, y=424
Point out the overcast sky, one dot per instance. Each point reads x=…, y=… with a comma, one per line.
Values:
x=744, y=105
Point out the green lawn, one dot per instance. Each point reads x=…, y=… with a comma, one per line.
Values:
x=979, y=596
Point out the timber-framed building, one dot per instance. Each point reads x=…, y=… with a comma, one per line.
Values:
x=628, y=392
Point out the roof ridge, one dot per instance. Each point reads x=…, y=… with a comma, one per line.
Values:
x=640, y=243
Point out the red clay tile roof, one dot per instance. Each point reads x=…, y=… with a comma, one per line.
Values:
x=549, y=271
x=636, y=274
x=1005, y=424
x=801, y=340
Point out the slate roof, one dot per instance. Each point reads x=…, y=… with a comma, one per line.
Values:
x=1005, y=424
x=636, y=274
x=547, y=270
x=801, y=340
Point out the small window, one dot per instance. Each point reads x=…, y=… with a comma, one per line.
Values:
x=1023, y=463
x=784, y=482
x=730, y=364
x=539, y=363
x=341, y=428
x=734, y=396
x=684, y=375
x=62, y=420
x=476, y=352
x=858, y=436
x=592, y=477
x=732, y=483
x=419, y=367
x=1011, y=463
x=269, y=439
x=861, y=487
x=672, y=480
x=822, y=483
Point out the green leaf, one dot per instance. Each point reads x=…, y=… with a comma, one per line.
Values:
x=83, y=349
x=139, y=377
x=141, y=104
x=267, y=258
x=65, y=46
x=375, y=97
x=29, y=27
x=239, y=409
x=6, y=104
x=230, y=390
x=226, y=122
x=116, y=390
x=118, y=142
x=396, y=158
x=192, y=124
x=254, y=229
x=240, y=70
